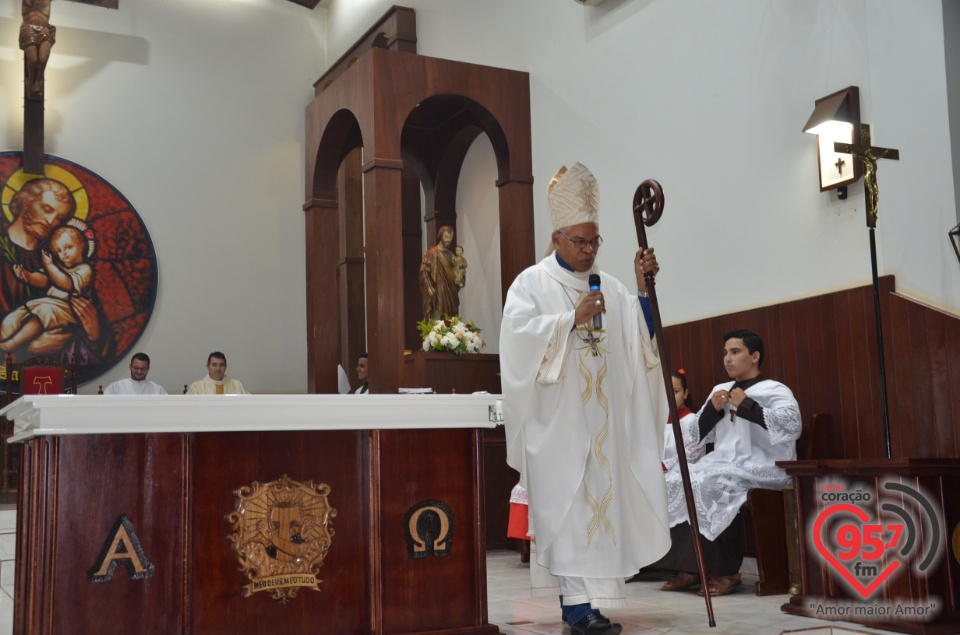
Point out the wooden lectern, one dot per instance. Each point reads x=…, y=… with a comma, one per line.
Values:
x=124, y=520
x=939, y=479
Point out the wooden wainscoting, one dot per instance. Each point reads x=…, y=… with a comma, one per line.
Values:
x=824, y=349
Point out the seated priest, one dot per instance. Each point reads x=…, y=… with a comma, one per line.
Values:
x=753, y=422
x=137, y=384
x=216, y=382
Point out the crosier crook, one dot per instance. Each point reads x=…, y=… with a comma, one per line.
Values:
x=647, y=210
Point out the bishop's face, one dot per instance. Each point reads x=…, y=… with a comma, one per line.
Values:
x=578, y=245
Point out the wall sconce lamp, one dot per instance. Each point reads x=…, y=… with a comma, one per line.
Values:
x=836, y=118
x=954, y=235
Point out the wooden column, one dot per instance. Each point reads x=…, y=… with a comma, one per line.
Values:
x=382, y=185
x=517, y=241
x=350, y=271
x=323, y=341
x=411, y=253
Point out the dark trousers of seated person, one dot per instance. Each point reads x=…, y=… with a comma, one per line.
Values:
x=721, y=556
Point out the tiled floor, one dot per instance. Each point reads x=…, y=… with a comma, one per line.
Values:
x=649, y=610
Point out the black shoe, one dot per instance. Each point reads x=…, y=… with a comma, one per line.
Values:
x=595, y=612
x=594, y=624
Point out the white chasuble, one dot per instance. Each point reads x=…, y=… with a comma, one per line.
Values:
x=744, y=457
x=208, y=386
x=584, y=413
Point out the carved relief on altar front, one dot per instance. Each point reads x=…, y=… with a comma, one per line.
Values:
x=428, y=527
x=281, y=534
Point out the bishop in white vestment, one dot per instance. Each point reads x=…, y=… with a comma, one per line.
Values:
x=584, y=409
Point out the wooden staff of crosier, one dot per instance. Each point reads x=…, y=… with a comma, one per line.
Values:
x=647, y=209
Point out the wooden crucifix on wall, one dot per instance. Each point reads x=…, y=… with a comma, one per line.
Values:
x=37, y=37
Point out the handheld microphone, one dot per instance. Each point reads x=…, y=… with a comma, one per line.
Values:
x=594, y=281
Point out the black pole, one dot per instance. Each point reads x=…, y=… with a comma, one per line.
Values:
x=883, y=366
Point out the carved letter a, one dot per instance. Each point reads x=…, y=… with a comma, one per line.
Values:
x=121, y=547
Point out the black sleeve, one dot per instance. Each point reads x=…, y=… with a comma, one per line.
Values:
x=751, y=411
x=708, y=420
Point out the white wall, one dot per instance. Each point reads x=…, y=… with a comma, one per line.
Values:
x=709, y=98
x=193, y=109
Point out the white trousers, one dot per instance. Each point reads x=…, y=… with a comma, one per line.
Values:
x=600, y=593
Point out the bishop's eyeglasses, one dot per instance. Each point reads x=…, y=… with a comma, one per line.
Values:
x=582, y=244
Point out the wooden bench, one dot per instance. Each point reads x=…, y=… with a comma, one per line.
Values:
x=774, y=521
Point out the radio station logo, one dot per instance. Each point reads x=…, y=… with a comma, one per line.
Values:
x=870, y=538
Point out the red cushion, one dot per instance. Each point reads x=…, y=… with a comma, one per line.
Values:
x=42, y=380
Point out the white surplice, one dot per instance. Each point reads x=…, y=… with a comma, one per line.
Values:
x=744, y=457
x=584, y=431
x=691, y=441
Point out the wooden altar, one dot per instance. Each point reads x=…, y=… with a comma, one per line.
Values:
x=446, y=373
x=940, y=584
x=159, y=476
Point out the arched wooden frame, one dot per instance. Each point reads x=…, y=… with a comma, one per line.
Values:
x=415, y=118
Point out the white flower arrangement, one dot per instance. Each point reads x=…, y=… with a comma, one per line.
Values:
x=450, y=334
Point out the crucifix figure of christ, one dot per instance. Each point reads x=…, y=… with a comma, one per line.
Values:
x=869, y=154
x=36, y=39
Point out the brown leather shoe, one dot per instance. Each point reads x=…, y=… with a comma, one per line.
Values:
x=721, y=585
x=683, y=580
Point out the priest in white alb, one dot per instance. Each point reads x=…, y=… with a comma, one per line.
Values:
x=137, y=384
x=584, y=406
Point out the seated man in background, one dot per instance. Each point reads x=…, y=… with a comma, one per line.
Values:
x=753, y=422
x=362, y=369
x=138, y=384
x=216, y=382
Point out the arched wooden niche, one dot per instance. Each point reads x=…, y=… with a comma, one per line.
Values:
x=387, y=124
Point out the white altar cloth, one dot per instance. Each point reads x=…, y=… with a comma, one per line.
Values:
x=41, y=415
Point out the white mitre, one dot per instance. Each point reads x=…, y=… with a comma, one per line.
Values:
x=574, y=197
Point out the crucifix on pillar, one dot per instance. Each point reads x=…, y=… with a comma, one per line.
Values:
x=869, y=154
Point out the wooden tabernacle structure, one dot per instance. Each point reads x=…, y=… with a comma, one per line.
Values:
x=384, y=123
